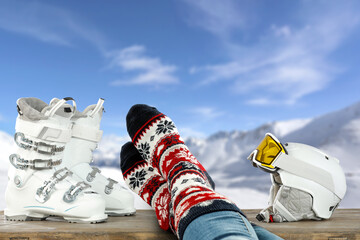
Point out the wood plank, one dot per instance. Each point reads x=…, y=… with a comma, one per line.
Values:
x=140, y=227
x=345, y=224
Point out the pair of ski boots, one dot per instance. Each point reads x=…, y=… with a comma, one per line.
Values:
x=50, y=173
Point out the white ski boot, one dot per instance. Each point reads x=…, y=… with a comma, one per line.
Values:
x=78, y=155
x=37, y=187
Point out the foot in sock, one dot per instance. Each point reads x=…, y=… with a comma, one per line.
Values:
x=146, y=182
x=159, y=143
x=152, y=130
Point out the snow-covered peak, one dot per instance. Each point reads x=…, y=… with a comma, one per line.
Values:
x=283, y=128
x=323, y=128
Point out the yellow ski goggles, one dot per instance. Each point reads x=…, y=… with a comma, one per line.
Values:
x=267, y=151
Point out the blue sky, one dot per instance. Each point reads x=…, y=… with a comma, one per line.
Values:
x=209, y=65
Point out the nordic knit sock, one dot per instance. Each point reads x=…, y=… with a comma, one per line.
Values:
x=145, y=181
x=139, y=118
x=159, y=143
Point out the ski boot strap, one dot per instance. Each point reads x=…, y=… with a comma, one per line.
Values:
x=36, y=164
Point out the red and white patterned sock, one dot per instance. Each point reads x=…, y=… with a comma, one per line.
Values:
x=145, y=181
x=159, y=143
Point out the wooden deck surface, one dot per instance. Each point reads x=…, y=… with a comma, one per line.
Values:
x=345, y=224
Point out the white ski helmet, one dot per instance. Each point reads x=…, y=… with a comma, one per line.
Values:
x=306, y=182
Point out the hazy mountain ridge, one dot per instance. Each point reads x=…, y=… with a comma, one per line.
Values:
x=337, y=133
x=224, y=154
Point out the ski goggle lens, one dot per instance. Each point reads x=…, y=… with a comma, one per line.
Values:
x=268, y=150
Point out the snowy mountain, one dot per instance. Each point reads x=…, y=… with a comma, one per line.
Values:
x=224, y=154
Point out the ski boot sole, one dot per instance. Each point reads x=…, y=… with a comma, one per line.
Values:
x=34, y=216
x=120, y=213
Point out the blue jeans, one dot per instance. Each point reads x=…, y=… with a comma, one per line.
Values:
x=227, y=225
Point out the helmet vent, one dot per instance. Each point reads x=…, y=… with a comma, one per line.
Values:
x=327, y=158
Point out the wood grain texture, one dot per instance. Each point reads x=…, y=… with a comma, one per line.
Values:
x=345, y=224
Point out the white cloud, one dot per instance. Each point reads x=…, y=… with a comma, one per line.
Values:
x=46, y=23
x=285, y=62
x=283, y=31
x=206, y=113
x=217, y=17
x=134, y=59
x=259, y=101
x=187, y=132
x=59, y=26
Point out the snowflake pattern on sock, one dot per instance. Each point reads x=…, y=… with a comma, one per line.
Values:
x=164, y=127
x=144, y=150
x=137, y=179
